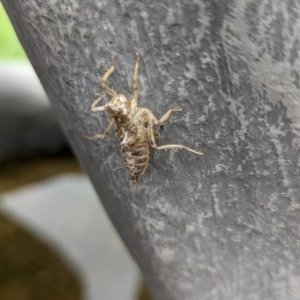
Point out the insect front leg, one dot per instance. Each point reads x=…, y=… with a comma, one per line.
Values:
x=165, y=147
x=105, y=135
x=107, y=89
x=135, y=82
x=95, y=108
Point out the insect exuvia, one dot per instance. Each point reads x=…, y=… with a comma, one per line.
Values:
x=133, y=125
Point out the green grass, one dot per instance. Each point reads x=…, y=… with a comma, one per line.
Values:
x=10, y=47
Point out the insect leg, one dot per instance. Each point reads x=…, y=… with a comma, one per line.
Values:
x=166, y=115
x=135, y=82
x=165, y=147
x=95, y=108
x=107, y=89
x=163, y=118
x=105, y=135
x=151, y=136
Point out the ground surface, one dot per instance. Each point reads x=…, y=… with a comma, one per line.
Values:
x=30, y=270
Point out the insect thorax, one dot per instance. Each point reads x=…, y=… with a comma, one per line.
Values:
x=135, y=129
x=119, y=107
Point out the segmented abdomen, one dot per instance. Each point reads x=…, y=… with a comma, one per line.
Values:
x=136, y=158
x=134, y=140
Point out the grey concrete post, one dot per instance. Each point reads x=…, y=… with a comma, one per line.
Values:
x=222, y=226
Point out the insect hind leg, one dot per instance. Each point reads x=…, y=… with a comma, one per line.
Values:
x=165, y=147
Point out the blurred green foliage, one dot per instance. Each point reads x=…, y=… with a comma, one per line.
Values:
x=10, y=47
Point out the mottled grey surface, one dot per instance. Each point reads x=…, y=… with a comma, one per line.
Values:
x=223, y=226
x=28, y=124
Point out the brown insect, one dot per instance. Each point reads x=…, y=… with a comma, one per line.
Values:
x=133, y=125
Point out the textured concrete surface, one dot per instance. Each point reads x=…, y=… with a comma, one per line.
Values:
x=28, y=124
x=223, y=226
x=65, y=212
